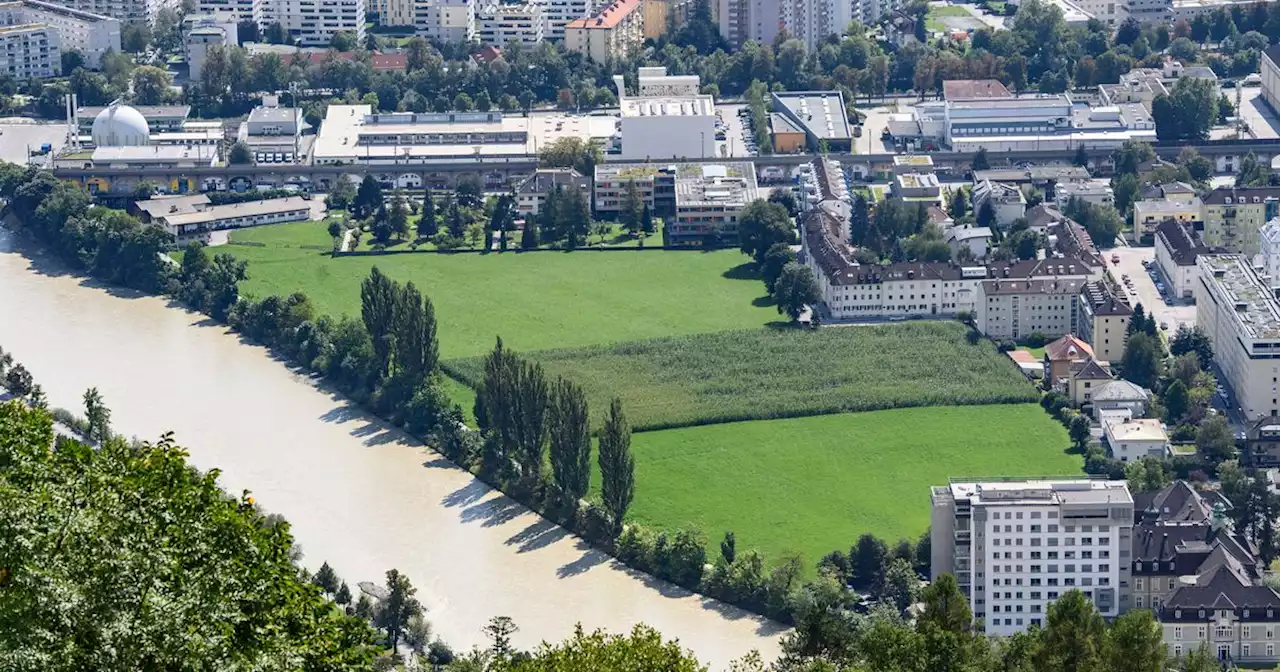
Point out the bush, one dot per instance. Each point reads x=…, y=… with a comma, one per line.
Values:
x=1037, y=340
x=1007, y=346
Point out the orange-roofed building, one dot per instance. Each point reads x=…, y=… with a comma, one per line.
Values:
x=616, y=31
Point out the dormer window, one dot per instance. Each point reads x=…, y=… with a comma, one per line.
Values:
x=1201, y=613
x=1177, y=613
x=1139, y=566
x=1245, y=614
x=1268, y=613
x=1227, y=200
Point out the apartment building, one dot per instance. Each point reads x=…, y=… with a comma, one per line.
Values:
x=1150, y=214
x=1234, y=215
x=1237, y=307
x=1007, y=201
x=242, y=9
x=1097, y=192
x=1015, y=546
x=660, y=15
x=447, y=20
x=616, y=31
x=1177, y=247
x=398, y=12
x=35, y=33
x=125, y=11
x=556, y=14
x=509, y=23
x=1269, y=68
x=532, y=192
x=1269, y=244
x=700, y=202
x=1103, y=320
x=314, y=22
x=1017, y=308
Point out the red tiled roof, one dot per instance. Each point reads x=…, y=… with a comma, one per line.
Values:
x=380, y=62
x=487, y=54
x=609, y=17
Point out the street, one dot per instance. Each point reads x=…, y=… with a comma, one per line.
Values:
x=1143, y=288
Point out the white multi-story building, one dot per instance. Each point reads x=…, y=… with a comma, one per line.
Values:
x=671, y=126
x=1237, y=307
x=556, y=14
x=1016, y=546
x=313, y=22
x=398, y=12
x=127, y=11
x=36, y=33
x=1097, y=192
x=1269, y=247
x=511, y=23
x=1133, y=439
x=1013, y=309
x=809, y=21
x=446, y=20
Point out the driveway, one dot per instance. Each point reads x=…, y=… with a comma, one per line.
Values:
x=1144, y=289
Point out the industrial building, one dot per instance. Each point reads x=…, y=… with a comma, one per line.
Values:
x=700, y=202
x=668, y=120
x=1015, y=546
x=820, y=115
x=354, y=134
x=984, y=114
x=1237, y=307
x=273, y=134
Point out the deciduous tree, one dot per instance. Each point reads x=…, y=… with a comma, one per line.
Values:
x=569, y=431
x=617, y=466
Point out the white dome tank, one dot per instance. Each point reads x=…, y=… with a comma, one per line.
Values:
x=120, y=126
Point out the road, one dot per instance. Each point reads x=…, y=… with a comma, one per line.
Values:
x=1144, y=289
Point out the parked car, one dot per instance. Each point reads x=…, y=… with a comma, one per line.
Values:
x=1164, y=326
x=1115, y=258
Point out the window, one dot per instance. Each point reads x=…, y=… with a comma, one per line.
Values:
x=1137, y=602
x=1177, y=633
x=1244, y=650
x=1271, y=650
x=1244, y=632
x=1137, y=583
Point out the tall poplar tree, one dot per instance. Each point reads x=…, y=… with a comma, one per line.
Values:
x=378, y=309
x=617, y=465
x=569, y=429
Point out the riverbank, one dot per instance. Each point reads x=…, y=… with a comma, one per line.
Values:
x=359, y=494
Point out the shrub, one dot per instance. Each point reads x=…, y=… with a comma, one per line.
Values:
x=1037, y=340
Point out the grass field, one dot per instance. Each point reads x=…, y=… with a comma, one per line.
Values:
x=776, y=373
x=534, y=300
x=936, y=12
x=814, y=484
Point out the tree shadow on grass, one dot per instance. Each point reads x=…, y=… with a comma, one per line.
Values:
x=763, y=301
x=744, y=271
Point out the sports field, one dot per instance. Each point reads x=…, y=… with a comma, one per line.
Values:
x=777, y=373
x=814, y=484
x=534, y=301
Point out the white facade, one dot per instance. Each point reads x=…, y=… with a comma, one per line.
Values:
x=1016, y=546
x=557, y=13
x=30, y=50
x=1238, y=310
x=313, y=22
x=198, y=43
x=449, y=21
x=666, y=126
x=1017, y=308
x=241, y=9
x=398, y=12
x=1176, y=258
x=1130, y=440
x=505, y=24
x=1269, y=244
x=90, y=34
x=126, y=11
x=1097, y=192
x=1007, y=201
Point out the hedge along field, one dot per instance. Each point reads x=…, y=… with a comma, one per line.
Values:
x=778, y=373
x=813, y=485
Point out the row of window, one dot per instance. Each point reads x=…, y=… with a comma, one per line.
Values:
x=1053, y=555
x=1224, y=632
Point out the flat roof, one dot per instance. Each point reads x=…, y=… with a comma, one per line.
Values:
x=160, y=206
x=1168, y=205
x=155, y=153
x=1142, y=429
x=245, y=209
x=970, y=89
x=147, y=111
x=820, y=113
x=1256, y=309
x=916, y=160
x=779, y=123
x=702, y=105
x=344, y=125
x=52, y=8
x=1043, y=492
x=280, y=114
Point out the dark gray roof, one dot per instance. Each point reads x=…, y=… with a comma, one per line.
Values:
x=1103, y=300
x=544, y=180
x=1219, y=196
x=1090, y=370
x=1183, y=247
x=1273, y=53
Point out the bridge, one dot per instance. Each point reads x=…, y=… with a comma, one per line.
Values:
x=497, y=172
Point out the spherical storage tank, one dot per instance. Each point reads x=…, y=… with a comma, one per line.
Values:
x=120, y=126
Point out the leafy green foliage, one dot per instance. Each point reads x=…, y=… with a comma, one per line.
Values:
x=128, y=558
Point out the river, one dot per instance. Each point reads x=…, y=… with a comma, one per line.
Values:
x=360, y=496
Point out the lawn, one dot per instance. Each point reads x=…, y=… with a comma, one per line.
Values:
x=932, y=20
x=775, y=373
x=533, y=300
x=813, y=485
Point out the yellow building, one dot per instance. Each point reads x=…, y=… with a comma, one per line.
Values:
x=1147, y=215
x=616, y=31
x=1103, y=320
x=1234, y=215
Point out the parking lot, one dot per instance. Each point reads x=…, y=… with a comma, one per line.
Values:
x=20, y=136
x=1142, y=287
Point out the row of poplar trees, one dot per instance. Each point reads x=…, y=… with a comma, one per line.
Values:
x=526, y=416
x=402, y=331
